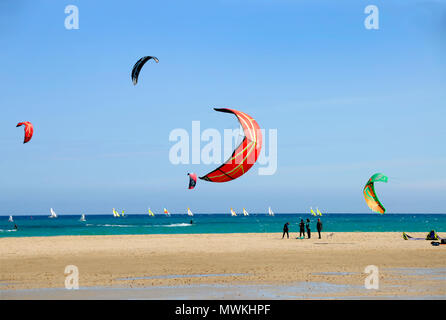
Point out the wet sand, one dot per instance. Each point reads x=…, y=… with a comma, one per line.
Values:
x=222, y=266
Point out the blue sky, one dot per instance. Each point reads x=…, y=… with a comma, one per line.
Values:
x=346, y=102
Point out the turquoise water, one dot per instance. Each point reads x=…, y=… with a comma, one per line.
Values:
x=214, y=223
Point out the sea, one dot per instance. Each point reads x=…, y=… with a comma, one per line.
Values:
x=42, y=226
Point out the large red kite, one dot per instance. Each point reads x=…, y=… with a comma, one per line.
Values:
x=244, y=156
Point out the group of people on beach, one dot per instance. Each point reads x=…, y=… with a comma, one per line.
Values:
x=302, y=226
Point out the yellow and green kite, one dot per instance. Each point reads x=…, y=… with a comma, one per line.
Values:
x=370, y=195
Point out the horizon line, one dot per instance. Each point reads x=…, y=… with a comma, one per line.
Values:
x=222, y=213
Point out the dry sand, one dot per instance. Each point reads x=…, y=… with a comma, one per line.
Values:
x=255, y=259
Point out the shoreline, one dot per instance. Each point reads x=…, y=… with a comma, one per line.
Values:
x=215, y=224
x=313, y=233
x=225, y=259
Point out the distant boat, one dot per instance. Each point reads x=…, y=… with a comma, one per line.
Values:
x=189, y=213
x=270, y=212
x=115, y=213
x=233, y=214
x=151, y=213
x=53, y=214
x=318, y=212
x=11, y=219
x=245, y=213
x=82, y=217
x=123, y=215
x=166, y=212
x=312, y=212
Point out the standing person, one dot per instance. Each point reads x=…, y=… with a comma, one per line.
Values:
x=319, y=227
x=308, y=228
x=285, y=230
x=302, y=228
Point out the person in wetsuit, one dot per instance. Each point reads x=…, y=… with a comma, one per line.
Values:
x=285, y=230
x=308, y=228
x=302, y=228
x=319, y=227
x=15, y=227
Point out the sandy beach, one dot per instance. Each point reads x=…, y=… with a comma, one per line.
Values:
x=407, y=269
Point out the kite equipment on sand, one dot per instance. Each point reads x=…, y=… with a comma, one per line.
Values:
x=370, y=195
x=432, y=235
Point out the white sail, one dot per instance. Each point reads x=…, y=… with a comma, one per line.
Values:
x=245, y=213
x=115, y=213
x=189, y=213
x=270, y=212
x=82, y=217
x=11, y=219
x=53, y=214
x=233, y=213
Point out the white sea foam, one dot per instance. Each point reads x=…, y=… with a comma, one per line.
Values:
x=173, y=225
x=118, y=225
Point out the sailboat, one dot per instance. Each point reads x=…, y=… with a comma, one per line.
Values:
x=123, y=215
x=11, y=219
x=245, y=213
x=53, y=214
x=115, y=213
x=270, y=212
x=233, y=214
x=151, y=213
x=166, y=212
x=189, y=213
x=312, y=212
x=318, y=212
x=82, y=217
